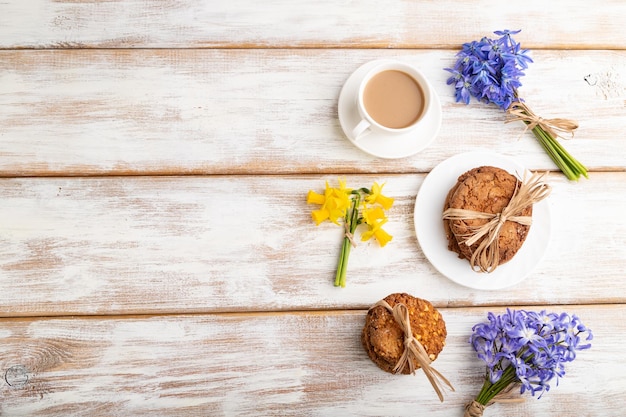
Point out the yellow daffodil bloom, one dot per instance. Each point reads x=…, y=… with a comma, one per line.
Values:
x=382, y=237
x=375, y=217
x=323, y=213
x=342, y=187
x=335, y=202
x=377, y=232
x=376, y=196
x=320, y=215
x=371, y=215
x=338, y=203
x=337, y=207
x=315, y=198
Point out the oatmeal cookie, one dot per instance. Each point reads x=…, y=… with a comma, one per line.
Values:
x=485, y=189
x=383, y=338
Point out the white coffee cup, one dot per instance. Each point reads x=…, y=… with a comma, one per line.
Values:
x=389, y=98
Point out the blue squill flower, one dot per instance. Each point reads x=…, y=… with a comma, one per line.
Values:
x=490, y=70
x=526, y=348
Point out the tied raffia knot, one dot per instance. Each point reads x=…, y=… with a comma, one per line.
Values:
x=507, y=395
x=474, y=409
x=349, y=235
x=519, y=111
x=414, y=351
x=486, y=257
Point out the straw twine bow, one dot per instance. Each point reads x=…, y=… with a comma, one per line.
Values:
x=413, y=350
x=507, y=395
x=519, y=111
x=486, y=257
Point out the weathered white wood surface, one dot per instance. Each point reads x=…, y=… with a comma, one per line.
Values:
x=271, y=111
x=210, y=244
x=157, y=256
x=303, y=23
x=307, y=364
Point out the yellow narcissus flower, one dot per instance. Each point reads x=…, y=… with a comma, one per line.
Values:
x=381, y=236
x=376, y=196
x=314, y=198
x=356, y=207
x=375, y=218
x=373, y=214
x=338, y=205
x=320, y=215
x=335, y=202
x=342, y=187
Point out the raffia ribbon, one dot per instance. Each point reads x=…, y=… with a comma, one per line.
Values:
x=519, y=111
x=507, y=395
x=486, y=257
x=474, y=409
x=413, y=349
x=349, y=235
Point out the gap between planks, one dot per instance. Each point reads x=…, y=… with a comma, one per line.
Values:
x=300, y=312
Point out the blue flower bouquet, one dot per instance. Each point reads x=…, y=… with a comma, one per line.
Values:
x=525, y=350
x=490, y=70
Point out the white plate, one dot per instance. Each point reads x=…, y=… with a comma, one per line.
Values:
x=378, y=144
x=431, y=236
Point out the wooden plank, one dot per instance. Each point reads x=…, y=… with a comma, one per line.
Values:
x=300, y=23
x=206, y=244
x=309, y=364
x=145, y=112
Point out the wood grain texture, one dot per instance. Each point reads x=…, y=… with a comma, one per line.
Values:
x=271, y=111
x=221, y=243
x=272, y=365
x=157, y=255
x=304, y=24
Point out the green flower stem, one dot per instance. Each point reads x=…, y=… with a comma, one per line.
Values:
x=566, y=162
x=489, y=390
x=340, y=278
x=351, y=219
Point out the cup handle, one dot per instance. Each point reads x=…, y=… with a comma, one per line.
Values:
x=361, y=129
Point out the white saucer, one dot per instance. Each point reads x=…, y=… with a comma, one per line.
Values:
x=379, y=144
x=432, y=238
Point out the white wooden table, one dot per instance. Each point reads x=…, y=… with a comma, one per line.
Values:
x=157, y=256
